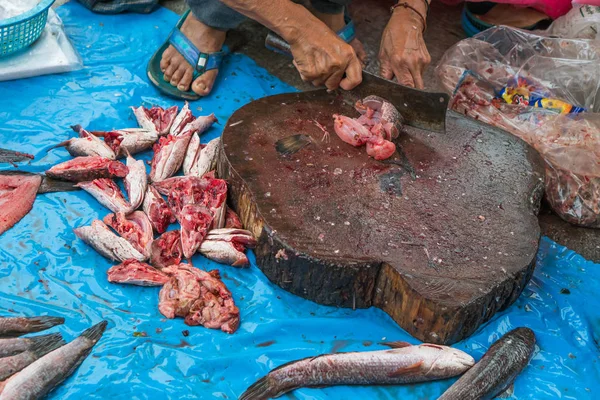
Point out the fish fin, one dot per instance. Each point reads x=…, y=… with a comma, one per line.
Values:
x=79, y=129
x=95, y=332
x=396, y=345
x=262, y=389
x=61, y=144
x=42, y=323
x=434, y=346
x=406, y=370
x=46, y=343
x=292, y=144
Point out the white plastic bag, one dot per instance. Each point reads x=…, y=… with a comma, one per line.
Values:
x=52, y=53
x=582, y=22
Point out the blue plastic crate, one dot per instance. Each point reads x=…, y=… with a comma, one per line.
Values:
x=19, y=32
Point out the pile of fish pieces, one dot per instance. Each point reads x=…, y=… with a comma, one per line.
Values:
x=379, y=123
x=32, y=367
x=197, y=200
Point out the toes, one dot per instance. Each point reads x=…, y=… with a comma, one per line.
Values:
x=186, y=80
x=203, y=84
x=166, y=58
x=173, y=66
x=177, y=75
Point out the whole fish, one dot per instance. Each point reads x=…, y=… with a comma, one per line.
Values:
x=107, y=193
x=168, y=156
x=17, y=326
x=166, y=250
x=42, y=346
x=129, y=141
x=17, y=195
x=497, y=369
x=81, y=169
x=157, y=210
x=133, y=272
x=408, y=364
x=135, y=182
x=195, y=222
x=86, y=145
x=155, y=119
x=42, y=376
x=227, y=246
x=105, y=242
x=11, y=346
x=135, y=228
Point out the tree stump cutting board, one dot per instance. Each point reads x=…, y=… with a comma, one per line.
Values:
x=440, y=238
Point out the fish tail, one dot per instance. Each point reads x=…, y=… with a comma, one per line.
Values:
x=37, y=324
x=44, y=344
x=259, y=390
x=95, y=332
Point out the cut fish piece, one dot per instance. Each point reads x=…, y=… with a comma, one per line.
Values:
x=105, y=242
x=157, y=210
x=132, y=141
x=133, y=272
x=195, y=222
x=168, y=157
x=136, y=182
x=86, y=145
x=107, y=193
x=17, y=194
x=201, y=159
x=82, y=169
x=184, y=117
x=156, y=118
x=135, y=228
x=232, y=220
x=166, y=250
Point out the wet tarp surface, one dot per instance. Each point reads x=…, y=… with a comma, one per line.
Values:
x=45, y=269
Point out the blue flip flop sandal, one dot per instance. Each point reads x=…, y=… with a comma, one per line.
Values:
x=275, y=43
x=202, y=62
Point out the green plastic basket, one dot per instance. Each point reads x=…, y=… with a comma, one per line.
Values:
x=18, y=32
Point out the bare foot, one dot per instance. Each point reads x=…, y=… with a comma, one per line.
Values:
x=178, y=71
x=336, y=23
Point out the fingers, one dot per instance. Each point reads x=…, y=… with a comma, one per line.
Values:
x=333, y=82
x=353, y=75
x=403, y=75
x=385, y=69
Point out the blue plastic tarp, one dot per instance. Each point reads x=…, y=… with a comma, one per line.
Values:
x=45, y=269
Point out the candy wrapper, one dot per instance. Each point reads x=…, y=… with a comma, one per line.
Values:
x=545, y=91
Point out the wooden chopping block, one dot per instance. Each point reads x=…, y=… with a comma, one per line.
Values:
x=441, y=239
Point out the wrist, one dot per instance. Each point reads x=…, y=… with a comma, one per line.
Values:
x=413, y=15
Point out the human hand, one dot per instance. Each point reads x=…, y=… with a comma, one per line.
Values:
x=322, y=58
x=403, y=53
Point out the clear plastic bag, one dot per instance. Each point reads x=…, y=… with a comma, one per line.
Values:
x=52, y=53
x=562, y=74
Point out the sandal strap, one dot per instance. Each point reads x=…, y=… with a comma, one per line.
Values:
x=200, y=61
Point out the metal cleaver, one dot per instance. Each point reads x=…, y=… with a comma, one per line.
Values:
x=421, y=109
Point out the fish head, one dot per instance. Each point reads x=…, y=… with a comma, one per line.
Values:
x=447, y=361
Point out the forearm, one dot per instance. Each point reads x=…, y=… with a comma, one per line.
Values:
x=287, y=19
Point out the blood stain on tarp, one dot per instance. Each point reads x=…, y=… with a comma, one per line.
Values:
x=266, y=344
x=338, y=345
